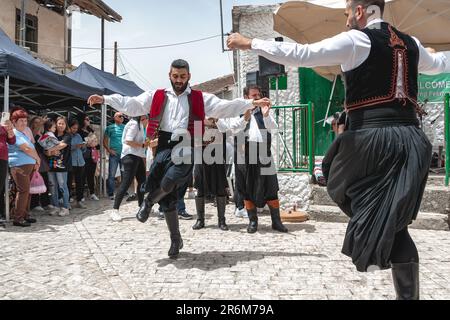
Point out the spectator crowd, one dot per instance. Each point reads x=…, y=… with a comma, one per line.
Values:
x=53, y=164
x=50, y=160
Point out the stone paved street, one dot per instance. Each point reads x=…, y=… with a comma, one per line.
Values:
x=87, y=256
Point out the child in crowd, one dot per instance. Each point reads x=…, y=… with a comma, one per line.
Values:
x=92, y=142
x=48, y=141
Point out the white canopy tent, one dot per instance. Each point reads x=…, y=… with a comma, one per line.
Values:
x=309, y=21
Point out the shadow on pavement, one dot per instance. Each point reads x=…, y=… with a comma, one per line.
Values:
x=213, y=260
x=48, y=223
x=264, y=228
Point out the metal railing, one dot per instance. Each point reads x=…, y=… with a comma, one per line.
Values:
x=295, y=138
x=447, y=137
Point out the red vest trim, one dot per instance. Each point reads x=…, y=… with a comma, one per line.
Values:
x=196, y=112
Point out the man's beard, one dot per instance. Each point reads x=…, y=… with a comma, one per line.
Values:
x=181, y=90
x=354, y=24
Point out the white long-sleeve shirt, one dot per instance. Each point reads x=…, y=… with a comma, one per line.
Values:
x=347, y=49
x=238, y=124
x=176, y=113
x=233, y=125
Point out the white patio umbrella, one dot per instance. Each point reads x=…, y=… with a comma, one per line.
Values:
x=309, y=21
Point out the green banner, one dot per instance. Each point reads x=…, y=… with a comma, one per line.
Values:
x=434, y=88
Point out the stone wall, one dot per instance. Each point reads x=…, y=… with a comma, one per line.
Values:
x=295, y=190
x=433, y=124
x=257, y=22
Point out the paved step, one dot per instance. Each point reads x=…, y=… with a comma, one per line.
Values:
x=436, y=179
x=425, y=220
x=435, y=199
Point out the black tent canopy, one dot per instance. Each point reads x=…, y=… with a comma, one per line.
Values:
x=109, y=83
x=87, y=74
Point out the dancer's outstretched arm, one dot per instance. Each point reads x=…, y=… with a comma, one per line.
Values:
x=131, y=106
x=347, y=49
x=221, y=108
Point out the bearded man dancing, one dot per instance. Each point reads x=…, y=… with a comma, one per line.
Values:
x=173, y=114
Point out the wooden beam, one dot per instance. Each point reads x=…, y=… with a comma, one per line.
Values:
x=94, y=7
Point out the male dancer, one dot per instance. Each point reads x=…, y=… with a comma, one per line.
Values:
x=172, y=110
x=258, y=186
x=211, y=177
x=378, y=168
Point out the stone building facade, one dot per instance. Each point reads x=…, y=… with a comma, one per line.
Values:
x=49, y=27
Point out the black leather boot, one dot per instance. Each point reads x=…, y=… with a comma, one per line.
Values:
x=276, y=220
x=146, y=206
x=406, y=280
x=175, y=236
x=221, y=205
x=253, y=220
x=200, y=206
x=144, y=211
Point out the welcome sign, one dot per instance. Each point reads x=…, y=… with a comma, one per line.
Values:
x=434, y=88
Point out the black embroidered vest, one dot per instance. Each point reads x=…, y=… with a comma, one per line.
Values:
x=374, y=82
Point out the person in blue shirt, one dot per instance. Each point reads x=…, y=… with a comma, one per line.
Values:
x=23, y=161
x=77, y=147
x=112, y=142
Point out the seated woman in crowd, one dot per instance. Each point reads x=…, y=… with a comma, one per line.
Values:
x=23, y=160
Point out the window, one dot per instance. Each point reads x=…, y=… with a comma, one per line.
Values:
x=31, y=33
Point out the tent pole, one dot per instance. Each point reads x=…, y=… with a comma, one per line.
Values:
x=65, y=36
x=102, y=152
x=115, y=58
x=6, y=109
x=330, y=101
x=103, y=45
x=221, y=26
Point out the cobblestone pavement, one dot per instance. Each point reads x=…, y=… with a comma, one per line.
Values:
x=87, y=256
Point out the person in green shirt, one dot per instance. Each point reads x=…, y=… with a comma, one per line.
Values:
x=112, y=142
